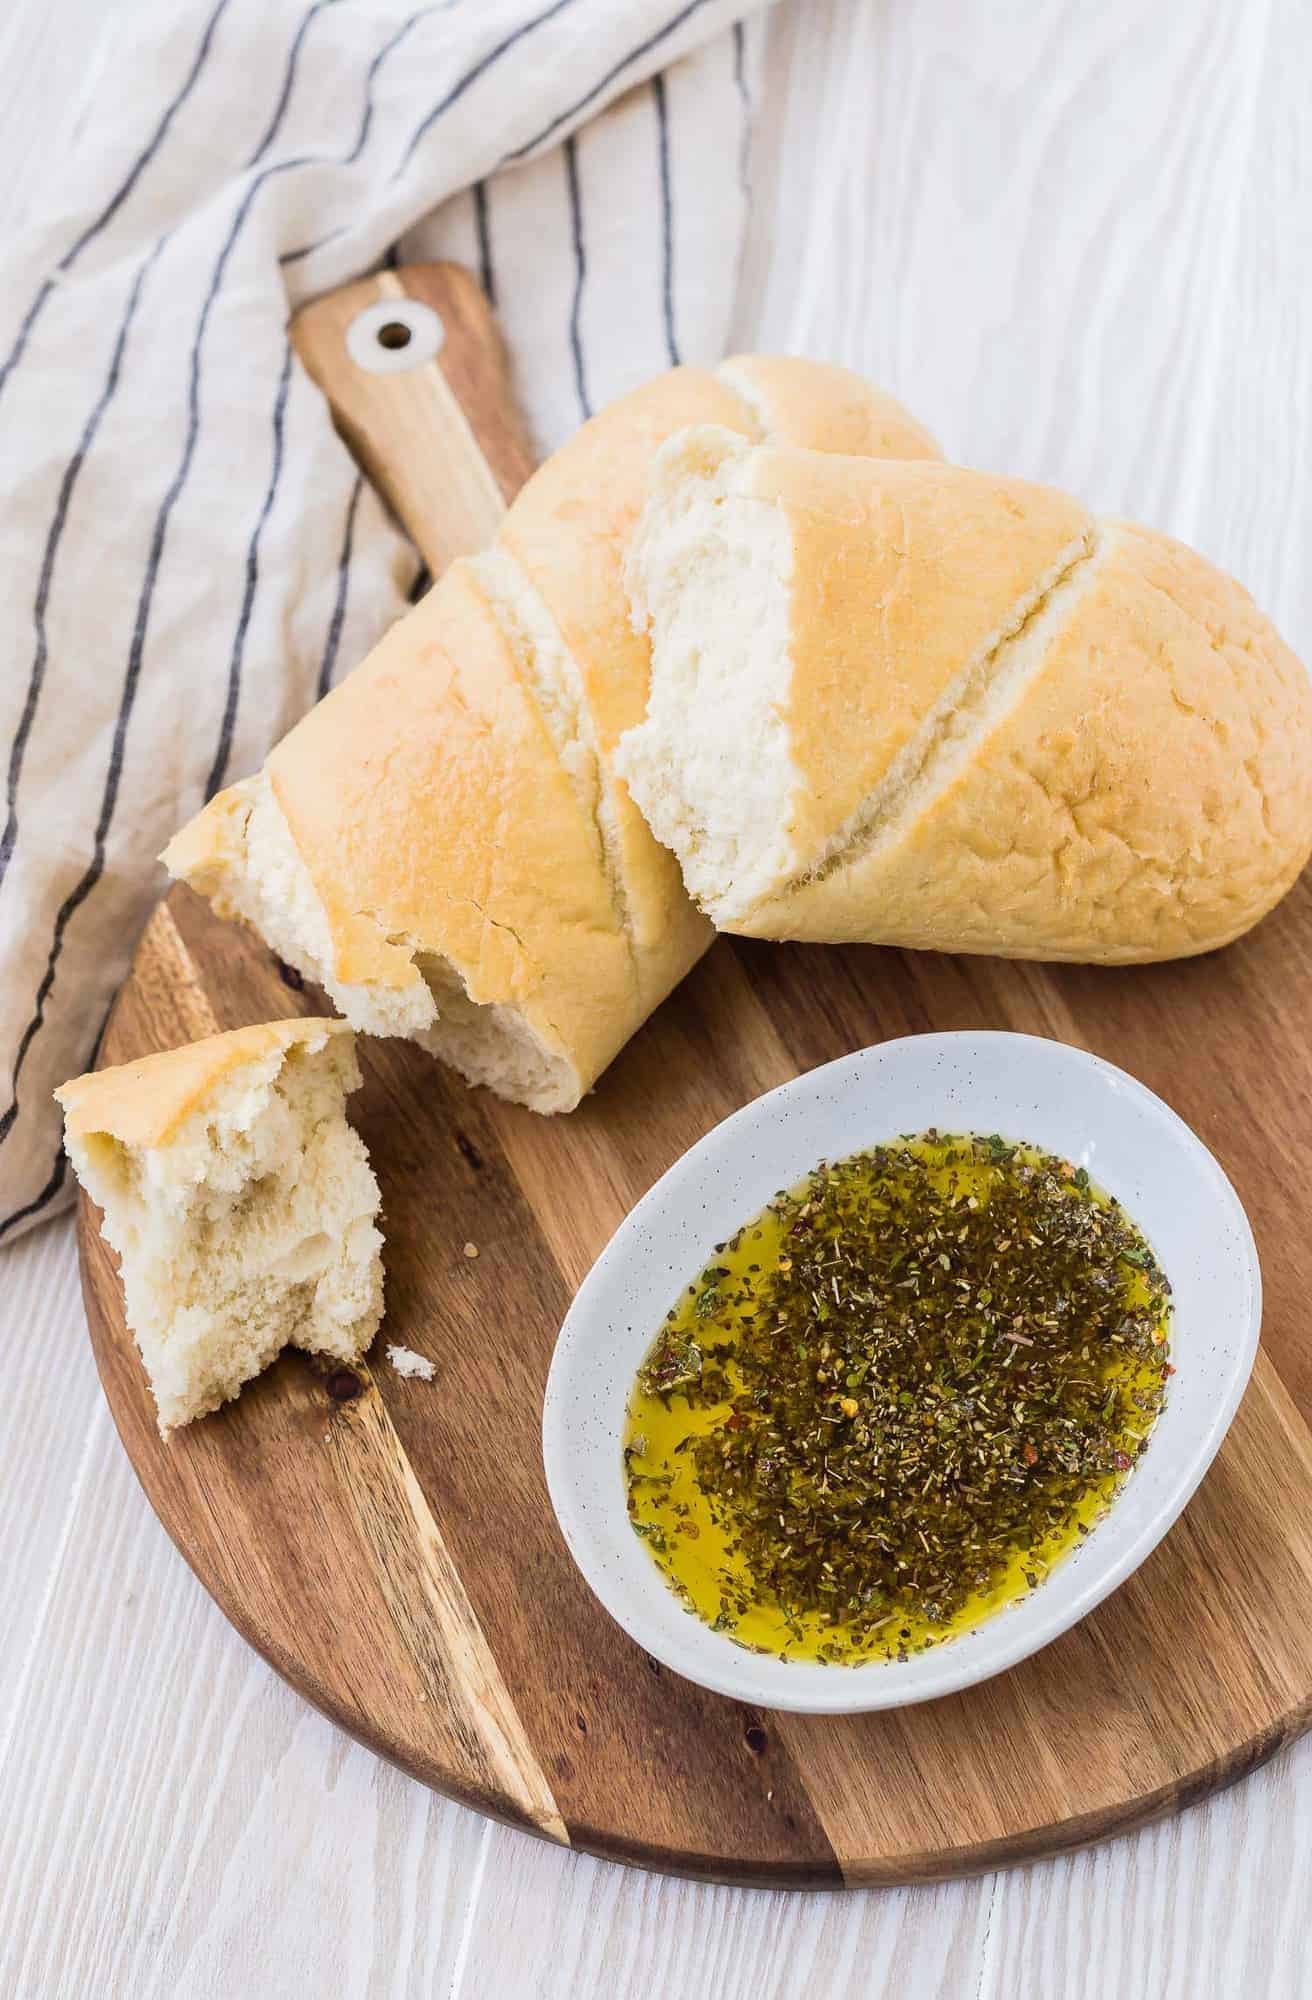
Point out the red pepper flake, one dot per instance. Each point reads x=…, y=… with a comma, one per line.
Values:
x=1030, y=1456
x=1122, y=1461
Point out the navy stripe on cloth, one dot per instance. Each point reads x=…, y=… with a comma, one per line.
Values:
x=334, y=638
x=667, y=220
x=279, y=111
x=218, y=770
x=459, y=88
x=67, y=485
x=40, y=1201
x=483, y=229
x=745, y=143
x=117, y=199
x=60, y=1169
x=92, y=875
x=304, y=250
x=571, y=153
x=109, y=799
x=618, y=69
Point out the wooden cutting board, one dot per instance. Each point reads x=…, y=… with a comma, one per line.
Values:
x=387, y=1544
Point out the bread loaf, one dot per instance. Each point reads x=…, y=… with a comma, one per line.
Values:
x=240, y=1202
x=913, y=704
x=444, y=843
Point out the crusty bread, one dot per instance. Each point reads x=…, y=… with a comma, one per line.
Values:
x=241, y=1203
x=446, y=857
x=821, y=408
x=918, y=705
x=445, y=844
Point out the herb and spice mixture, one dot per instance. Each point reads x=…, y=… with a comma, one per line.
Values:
x=897, y=1398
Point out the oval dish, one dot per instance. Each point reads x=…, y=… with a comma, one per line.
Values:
x=1060, y=1098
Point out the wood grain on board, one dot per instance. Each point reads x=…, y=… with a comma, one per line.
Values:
x=314, y=1521
x=394, y=1554
x=444, y=440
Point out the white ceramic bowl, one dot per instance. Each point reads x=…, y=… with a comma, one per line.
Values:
x=1070, y=1103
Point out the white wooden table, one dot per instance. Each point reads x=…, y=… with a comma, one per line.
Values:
x=1078, y=240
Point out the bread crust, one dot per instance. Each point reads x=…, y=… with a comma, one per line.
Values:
x=1148, y=796
x=902, y=574
x=822, y=407
x=426, y=796
x=144, y=1103
x=427, y=800
x=569, y=532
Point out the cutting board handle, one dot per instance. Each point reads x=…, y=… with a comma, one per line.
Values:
x=414, y=369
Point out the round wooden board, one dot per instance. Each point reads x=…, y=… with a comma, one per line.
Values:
x=394, y=1555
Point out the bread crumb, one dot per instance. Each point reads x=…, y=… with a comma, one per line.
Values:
x=407, y=1362
x=242, y=1205
x=471, y=1249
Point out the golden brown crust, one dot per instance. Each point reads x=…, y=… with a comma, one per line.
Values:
x=200, y=851
x=821, y=407
x=569, y=530
x=1148, y=795
x=143, y=1103
x=429, y=804
x=901, y=574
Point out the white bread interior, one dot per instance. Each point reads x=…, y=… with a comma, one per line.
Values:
x=241, y=1204
x=920, y=706
x=710, y=766
x=489, y=1042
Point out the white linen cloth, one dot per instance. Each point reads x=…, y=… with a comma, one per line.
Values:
x=188, y=555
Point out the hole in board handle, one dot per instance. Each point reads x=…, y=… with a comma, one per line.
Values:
x=394, y=335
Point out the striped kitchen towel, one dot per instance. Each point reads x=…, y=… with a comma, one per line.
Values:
x=188, y=553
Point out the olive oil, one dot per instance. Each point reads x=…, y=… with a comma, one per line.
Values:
x=896, y=1399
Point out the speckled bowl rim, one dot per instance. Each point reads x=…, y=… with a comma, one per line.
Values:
x=1073, y=1103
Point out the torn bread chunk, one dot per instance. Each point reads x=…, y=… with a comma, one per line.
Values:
x=913, y=704
x=241, y=1204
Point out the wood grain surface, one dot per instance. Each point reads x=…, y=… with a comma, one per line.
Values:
x=945, y=198
x=444, y=440
x=395, y=1557
x=409, y=1576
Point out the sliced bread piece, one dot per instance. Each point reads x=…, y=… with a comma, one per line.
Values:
x=567, y=535
x=811, y=618
x=241, y=1204
x=913, y=704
